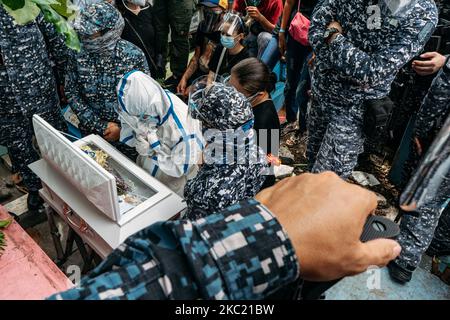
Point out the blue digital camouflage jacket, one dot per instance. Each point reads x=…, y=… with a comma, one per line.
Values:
x=92, y=81
x=29, y=54
x=435, y=108
x=364, y=60
x=239, y=253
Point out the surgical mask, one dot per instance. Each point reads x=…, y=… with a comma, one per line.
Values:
x=253, y=97
x=140, y=3
x=143, y=5
x=227, y=42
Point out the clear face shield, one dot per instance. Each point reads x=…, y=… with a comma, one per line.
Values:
x=211, y=19
x=125, y=118
x=139, y=123
x=232, y=25
x=198, y=92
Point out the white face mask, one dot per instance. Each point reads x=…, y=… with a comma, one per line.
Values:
x=140, y=3
x=252, y=98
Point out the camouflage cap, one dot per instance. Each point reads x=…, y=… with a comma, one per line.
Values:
x=96, y=17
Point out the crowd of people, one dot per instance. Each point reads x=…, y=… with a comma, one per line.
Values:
x=211, y=132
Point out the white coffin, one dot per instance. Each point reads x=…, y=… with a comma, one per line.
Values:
x=82, y=184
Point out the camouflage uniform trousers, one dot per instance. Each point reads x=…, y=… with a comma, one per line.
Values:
x=16, y=133
x=417, y=232
x=174, y=16
x=440, y=246
x=335, y=133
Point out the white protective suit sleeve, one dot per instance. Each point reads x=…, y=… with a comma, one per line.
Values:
x=147, y=111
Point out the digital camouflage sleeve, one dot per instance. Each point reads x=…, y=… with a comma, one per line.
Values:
x=239, y=253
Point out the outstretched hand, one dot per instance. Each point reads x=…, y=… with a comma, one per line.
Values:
x=324, y=217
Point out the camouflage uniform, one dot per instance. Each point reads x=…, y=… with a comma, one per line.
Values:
x=174, y=16
x=440, y=246
x=358, y=65
x=223, y=181
x=417, y=232
x=239, y=253
x=94, y=73
x=28, y=87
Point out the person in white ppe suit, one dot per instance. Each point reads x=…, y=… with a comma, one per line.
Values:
x=156, y=123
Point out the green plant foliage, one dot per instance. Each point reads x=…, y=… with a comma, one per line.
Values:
x=3, y=224
x=14, y=4
x=57, y=12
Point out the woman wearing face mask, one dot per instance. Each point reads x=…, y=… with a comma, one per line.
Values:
x=234, y=167
x=95, y=71
x=230, y=51
x=253, y=78
x=139, y=27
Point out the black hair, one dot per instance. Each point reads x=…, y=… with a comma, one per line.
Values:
x=254, y=76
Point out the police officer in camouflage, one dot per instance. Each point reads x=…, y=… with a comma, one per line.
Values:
x=94, y=73
x=417, y=230
x=360, y=45
x=174, y=17
x=27, y=87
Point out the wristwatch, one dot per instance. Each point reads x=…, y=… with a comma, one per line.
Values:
x=330, y=32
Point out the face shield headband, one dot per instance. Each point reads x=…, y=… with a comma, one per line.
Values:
x=232, y=23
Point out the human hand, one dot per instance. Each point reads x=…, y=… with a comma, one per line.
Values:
x=181, y=88
x=433, y=63
x=324, y=217
x=142, y=145
x=254, y=13
x=112, y=132
x=418, y=146
x=336, y=25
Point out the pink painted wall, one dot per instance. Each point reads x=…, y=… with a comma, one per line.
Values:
x=26, y=272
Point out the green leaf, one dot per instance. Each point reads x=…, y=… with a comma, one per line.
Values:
x=2, y=242
x=5, y=223
x=64, y=8
x=22, y=16
x=55, y=12
x=14, y=4
x=62, y=26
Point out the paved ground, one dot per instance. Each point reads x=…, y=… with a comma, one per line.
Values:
x=376, y=285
